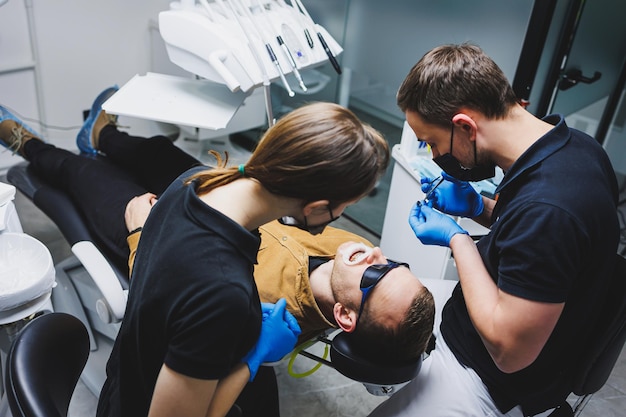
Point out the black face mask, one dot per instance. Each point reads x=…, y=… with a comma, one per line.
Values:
x=312, y=229
x=454, y=168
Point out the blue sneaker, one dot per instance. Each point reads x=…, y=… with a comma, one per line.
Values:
x=86, y=140
x=13, y=132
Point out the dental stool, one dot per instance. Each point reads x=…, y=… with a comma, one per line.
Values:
x=44, y=364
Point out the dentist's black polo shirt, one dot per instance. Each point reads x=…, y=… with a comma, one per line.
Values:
x=553, y=239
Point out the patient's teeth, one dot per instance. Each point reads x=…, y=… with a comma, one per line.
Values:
x=353, y=254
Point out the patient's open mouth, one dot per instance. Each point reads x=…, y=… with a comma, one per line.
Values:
x=355, y=253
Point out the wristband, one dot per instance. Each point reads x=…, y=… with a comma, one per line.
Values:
x=137, y=230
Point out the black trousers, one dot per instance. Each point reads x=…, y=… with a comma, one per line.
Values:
x=102, y=186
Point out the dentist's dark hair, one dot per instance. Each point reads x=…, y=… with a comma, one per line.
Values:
x=320, y=151
x=451, y=77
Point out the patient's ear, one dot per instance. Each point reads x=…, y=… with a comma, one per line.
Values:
x=345, y=317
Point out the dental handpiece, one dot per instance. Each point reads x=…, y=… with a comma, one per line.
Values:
x=274, y=59
x=329, y=53
x=437, y=181
x=292, y=62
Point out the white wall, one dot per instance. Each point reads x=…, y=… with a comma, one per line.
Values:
x=84, y=46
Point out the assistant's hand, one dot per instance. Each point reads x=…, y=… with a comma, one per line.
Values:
x=137, y=210
x=279, y=334
x=454, y=197
x=432, y=227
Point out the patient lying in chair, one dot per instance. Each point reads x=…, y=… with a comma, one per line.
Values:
x=320, y=276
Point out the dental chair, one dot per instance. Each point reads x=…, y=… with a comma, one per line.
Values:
x=44, y=364
x=90, y=288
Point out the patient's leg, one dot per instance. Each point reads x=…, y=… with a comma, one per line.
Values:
x=99, y=189
x=155, y=161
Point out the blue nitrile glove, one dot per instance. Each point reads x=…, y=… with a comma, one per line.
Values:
x=279, y=334
x=432, y=227
x=454, y=197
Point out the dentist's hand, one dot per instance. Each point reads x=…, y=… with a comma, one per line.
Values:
x=432, y=227
x=454, y=197
x=279, y=334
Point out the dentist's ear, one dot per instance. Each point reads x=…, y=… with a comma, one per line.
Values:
x=465, y=122
x=345, y=317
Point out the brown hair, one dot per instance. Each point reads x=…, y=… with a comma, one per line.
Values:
x=450, y=77
x=318, y=151
x=404, y=343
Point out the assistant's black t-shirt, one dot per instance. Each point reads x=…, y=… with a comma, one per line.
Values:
x=192, y=304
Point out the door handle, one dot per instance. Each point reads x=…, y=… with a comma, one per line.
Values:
x=575, y=76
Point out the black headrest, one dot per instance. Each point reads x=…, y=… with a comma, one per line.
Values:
x=347, y=361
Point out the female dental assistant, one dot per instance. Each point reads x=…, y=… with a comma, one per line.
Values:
x=193, y=311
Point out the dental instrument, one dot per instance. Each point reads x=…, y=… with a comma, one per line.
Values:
x=292, y=61
x=268, y=46
x=307, y=34
x=285, y=49
x=437, y=181
x=257, y=58
x=331, y=56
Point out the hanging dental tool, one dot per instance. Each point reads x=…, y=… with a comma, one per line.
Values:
x=266, y=42
x=296, y=9
x=283, y=46
x=266, y=80
x=329, y=53
x=292, y=22
x=205, y=5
